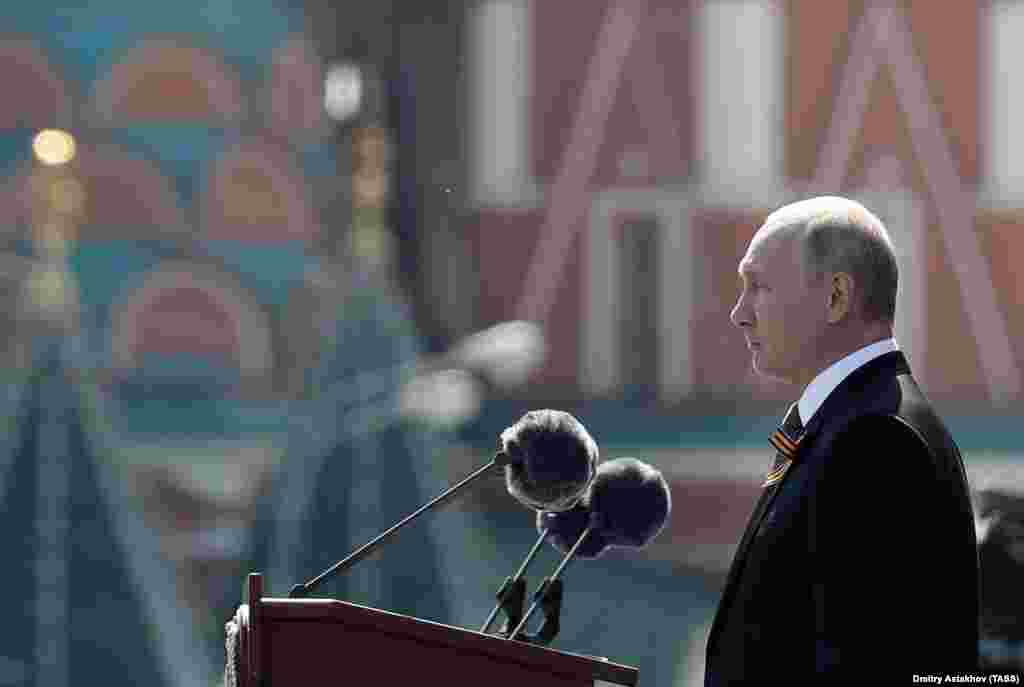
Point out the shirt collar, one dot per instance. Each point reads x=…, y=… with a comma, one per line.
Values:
x=833, y=375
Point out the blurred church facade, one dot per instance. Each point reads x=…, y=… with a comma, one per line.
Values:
x=236, y=285
x=653, y=138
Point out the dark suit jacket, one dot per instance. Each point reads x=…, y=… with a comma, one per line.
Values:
x=861, y=562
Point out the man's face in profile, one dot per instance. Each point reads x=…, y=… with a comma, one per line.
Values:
x=780, y=309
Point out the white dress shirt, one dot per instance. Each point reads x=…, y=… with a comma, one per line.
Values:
x=833, y=375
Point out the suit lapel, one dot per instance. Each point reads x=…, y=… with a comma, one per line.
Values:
x=888, y=364
x=740, y=558
x=741, y=549
x=839, y=398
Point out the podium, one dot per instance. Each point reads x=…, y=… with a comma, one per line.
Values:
x=275, y=642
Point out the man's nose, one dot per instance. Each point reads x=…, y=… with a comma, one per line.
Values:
x=740, y=315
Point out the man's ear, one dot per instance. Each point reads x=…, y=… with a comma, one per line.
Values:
x=840, y=297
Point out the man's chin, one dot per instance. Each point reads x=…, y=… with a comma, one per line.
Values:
x=766, y=370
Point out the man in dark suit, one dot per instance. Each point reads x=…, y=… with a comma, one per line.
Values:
x=859, y=559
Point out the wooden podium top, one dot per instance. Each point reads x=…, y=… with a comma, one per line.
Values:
x=306, y=641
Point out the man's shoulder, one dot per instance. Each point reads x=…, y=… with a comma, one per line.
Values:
x=881, y=449
x=880, y=428
x=894, y=408
x=910, y=438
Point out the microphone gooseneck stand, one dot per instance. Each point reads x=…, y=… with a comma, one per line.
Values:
x=548, y=597
x=512, y=593
x=301, y=590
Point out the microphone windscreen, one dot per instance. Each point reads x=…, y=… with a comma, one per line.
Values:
x=565, y=527
x=631, y=500
x=552, y=460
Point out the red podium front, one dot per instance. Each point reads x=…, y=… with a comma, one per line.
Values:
x=280, y=641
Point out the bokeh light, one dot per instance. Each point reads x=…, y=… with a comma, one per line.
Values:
x=54, y=147
x=343, y=91
x=445, y=398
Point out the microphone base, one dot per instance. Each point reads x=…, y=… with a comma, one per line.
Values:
x=549, y=597
x=511, y=599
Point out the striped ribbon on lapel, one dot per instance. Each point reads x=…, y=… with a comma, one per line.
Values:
x=786, y=440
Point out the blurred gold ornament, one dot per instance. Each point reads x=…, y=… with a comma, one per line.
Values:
x=52, y=238
x=371, y=148
x=58, y=198
x=369, y=189
x=67, y=196
x=370, y=240
x=49, y=289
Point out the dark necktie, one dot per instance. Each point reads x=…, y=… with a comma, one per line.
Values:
x=785, y=439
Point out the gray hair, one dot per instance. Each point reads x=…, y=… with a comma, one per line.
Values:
x=841, y=235
x=856, y=242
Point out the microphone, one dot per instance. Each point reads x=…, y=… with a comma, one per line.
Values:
x=552, y=459
x=549, y=460
x=626, y=506
x=633, y=501
x=564, y=529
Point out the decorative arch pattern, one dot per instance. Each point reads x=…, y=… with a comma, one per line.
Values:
x=187, y=307
x=254, y=192
x=168, y=80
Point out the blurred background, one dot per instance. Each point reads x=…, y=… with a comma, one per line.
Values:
x=276, y=273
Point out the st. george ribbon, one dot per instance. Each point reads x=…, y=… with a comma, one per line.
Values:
x=549, y=460
x=626, y=506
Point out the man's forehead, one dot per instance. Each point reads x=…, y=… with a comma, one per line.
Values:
x=770, y=250
x=778, y=227
x=768, y=240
